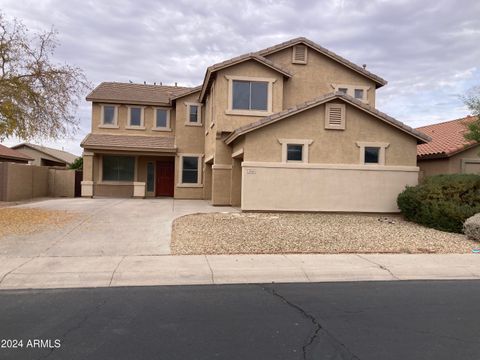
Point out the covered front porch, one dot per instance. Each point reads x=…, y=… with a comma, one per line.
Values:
x=115, y=168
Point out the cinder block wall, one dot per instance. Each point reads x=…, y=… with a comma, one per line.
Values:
x=23, y=182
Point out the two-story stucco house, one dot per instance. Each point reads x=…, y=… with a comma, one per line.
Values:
x=290, y=127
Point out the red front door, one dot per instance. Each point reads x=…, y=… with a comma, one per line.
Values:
x=165, y=178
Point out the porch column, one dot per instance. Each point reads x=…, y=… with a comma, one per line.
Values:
x=87, y=183
x=221, y=184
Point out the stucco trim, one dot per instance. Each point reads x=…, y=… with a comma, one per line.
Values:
x=330, y=166
x=199, y=182
x=231, y=111
x=237, y=153
x=221, y=167
x=381, y=156
x=305, y=149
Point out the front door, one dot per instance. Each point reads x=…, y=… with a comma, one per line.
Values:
x=165, y=178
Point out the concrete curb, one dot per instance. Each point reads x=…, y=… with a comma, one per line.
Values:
x=107, y=271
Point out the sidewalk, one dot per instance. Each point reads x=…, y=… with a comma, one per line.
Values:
x=106, y=271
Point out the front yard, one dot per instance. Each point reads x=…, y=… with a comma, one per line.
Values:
x=271, y=233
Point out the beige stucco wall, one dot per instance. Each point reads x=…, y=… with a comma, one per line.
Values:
x=331, y=146
x=315, y=78
x=451, y=165
x=122, y=121
x=21, y=182
x=357, y=189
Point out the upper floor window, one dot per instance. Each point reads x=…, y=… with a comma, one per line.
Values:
x=357, y=91
x=109, y=115
x=250, y=96
x=372, y=155
x=294, y=152
x=135, y=116
x=194, y=114
x=162, y=119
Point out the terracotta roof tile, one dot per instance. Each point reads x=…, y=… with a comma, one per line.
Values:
x=135, y=93
x=7, y=153
x=447, y=138
x=320, y=100
x=129, y=142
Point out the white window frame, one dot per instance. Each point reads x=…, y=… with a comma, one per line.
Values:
x=231, y=111
x=305, y=150
x=381, y=154
x=115, y=117
x=180, y=182
x=199, y=114
x=142, y=118
x=168, y=127
x=351, y=90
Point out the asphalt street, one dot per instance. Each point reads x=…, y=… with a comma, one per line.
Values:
x=360, y=320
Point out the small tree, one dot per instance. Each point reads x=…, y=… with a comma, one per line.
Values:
x=38, y=98
x=77, y=164
x=472, y=100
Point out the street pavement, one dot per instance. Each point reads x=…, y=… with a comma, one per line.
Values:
x=350, y=320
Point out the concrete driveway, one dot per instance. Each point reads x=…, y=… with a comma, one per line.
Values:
x=106, y=227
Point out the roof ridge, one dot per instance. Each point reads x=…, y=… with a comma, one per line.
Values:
x=447, y=121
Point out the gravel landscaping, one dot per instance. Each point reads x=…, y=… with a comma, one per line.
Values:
x=23, y=221
x=272, y=233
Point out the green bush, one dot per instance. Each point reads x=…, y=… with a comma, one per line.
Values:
x=442, y=202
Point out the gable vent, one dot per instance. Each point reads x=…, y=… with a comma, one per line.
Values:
x=299, y=55
x=335, y=116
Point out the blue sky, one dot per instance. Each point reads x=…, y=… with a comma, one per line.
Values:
x=427, y=50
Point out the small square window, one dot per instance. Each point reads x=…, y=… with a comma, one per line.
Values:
x=109, y=115
x=343, y=90
x=359, y=94
x=372, y=155
x=162, y=118
x=294, y=152
x=135, y=116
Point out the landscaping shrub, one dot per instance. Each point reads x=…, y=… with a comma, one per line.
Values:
x=442, y=202
x=471, y=227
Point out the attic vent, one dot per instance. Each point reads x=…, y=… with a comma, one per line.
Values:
x=299, y=55
x=335, y=116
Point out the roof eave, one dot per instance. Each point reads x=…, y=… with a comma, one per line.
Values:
x=125, y=102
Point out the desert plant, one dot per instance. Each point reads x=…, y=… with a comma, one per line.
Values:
x=442, y=202
x=471, y=227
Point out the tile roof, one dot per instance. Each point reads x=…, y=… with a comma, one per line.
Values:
x=189, y=91
x=127, y=93
x=326, y=52
x=61, y=155
x=238, y=60
x=267, y=120
x=7, y=153
x=447, y=138
x=129, y=142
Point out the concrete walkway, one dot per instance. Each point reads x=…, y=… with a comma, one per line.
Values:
x=106, y=271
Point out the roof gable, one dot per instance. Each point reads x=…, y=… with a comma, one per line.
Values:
x=330, y=54
x=447, y=138
x=421, y=138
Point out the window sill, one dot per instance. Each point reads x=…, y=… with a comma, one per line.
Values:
x=190, y=185
x=108, y=126
x=135, y=127
x=248, y=112
x=193, y=124
x=161, y=129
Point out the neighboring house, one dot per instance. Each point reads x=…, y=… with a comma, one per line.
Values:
x=45, y=156
x=10, y=155
x=448, y=152
x=290, y=127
